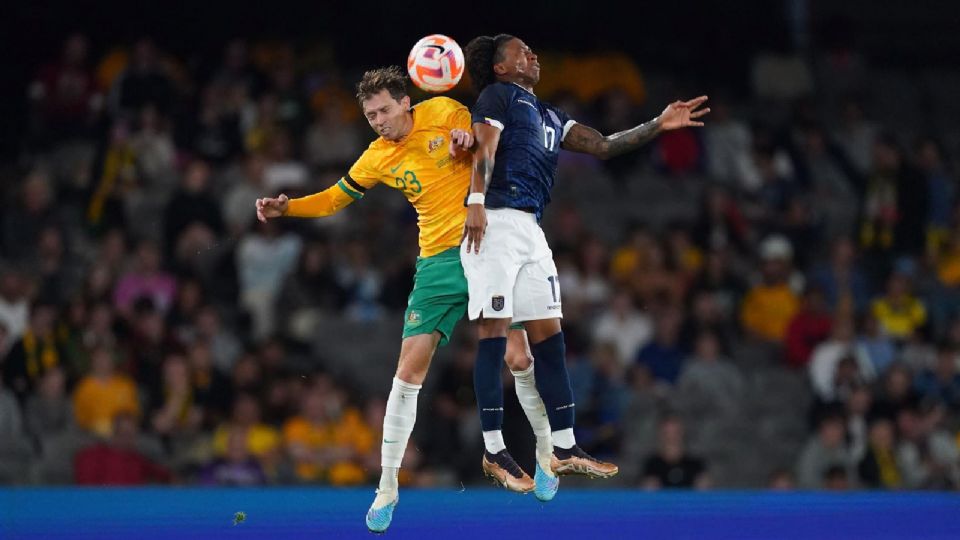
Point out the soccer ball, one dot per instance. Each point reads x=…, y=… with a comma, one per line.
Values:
x=435, y=63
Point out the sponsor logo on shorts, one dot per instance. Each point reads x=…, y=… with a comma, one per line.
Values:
x=414, y=318
x=554, y=307
x=497, y=303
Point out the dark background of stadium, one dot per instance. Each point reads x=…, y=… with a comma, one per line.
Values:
x=705, y=41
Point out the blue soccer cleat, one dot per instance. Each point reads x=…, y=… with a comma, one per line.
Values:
x=378, y=519
x=546, y=484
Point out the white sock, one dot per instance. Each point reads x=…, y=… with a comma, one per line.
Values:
x=564, y=438
x=398, y=424
x=388, y=489
x=529, y=397
x=493, y=441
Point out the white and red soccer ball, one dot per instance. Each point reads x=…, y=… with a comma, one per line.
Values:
x=435, y=63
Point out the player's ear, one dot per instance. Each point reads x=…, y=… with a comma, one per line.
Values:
x=499, y=68
x=405, y=103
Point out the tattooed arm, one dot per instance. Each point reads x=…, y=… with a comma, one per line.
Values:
x=678, y=114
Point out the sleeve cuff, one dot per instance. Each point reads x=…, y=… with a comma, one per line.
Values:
x=491, y=122
x=566, y=128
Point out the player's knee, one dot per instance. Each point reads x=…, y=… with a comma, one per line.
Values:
x=412, y=369
x=493, y=328
x=517, y=360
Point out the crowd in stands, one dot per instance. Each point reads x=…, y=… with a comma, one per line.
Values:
x=786, y=314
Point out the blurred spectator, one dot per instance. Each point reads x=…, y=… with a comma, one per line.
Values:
x=948, y=259
x=237, y=468
x=836, y=478
x=224, y=346
x=841, y=279
x=35, y=353
x=264, y=259
x=183, y=312
x=728, y=143
x=671, y=466
x=33, y=211
x=823, y=451
x=928, y=455
x=630, y=255
x=721, y=224
x=283, y=171
x=210, y=388
x=601, y=415
x=238, y=202
x=896, y=393
x=117, y=462
x=826, y=360
x=712, y=379
x=332, y=140
x=49, y=411
x=856, y=135
x=14, y=307
x=664, y=355
x=624, y=326
x=831, y=179
x=880, y=348
x=898, y=312
x=64, y=93
x=175, y=412
x=894, y=215
x=879, y=467
x=144, y=82
x=720, y=281
x=263, y=441
x=330, y=440
x=118, y=178
x=586, y=287
x=941, y=190
x=858, y=406
x=146, y=280
x=770, y=305
x=808, y=328
x=192, y=220
x=152, y=143
x=362, y=282
x=781, y=480
x=941, y=384
x=311, y=289
x=103, y=395
x=11, y=421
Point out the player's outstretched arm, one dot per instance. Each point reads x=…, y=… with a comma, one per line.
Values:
x=679, y=114
x=322, y=204
x=487, y=140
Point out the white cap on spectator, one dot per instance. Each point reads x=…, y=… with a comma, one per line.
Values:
x=776, y=247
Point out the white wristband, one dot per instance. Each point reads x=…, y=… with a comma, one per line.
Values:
x=476, y=198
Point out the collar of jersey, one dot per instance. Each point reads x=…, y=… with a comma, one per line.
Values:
x=524, y=89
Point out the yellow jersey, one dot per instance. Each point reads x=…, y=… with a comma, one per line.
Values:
x=419, y=166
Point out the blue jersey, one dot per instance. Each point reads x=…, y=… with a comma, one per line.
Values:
x=526, y=159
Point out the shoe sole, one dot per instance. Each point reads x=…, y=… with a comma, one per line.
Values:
x=574, y=469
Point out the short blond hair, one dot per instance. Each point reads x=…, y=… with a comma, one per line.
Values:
x=392, y=79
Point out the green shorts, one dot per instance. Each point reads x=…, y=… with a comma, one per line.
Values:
x=439, y=296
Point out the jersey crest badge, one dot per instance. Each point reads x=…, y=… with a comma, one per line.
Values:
x=414, y=318
x=434, y=143
x=497, y=303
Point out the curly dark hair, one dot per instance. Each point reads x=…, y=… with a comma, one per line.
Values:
x=391, y=78
x=481, y=54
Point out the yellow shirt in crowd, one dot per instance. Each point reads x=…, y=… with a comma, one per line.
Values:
x=768, y=309
x=96, y=402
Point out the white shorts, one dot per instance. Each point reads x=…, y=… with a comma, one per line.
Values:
x=513, y=276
